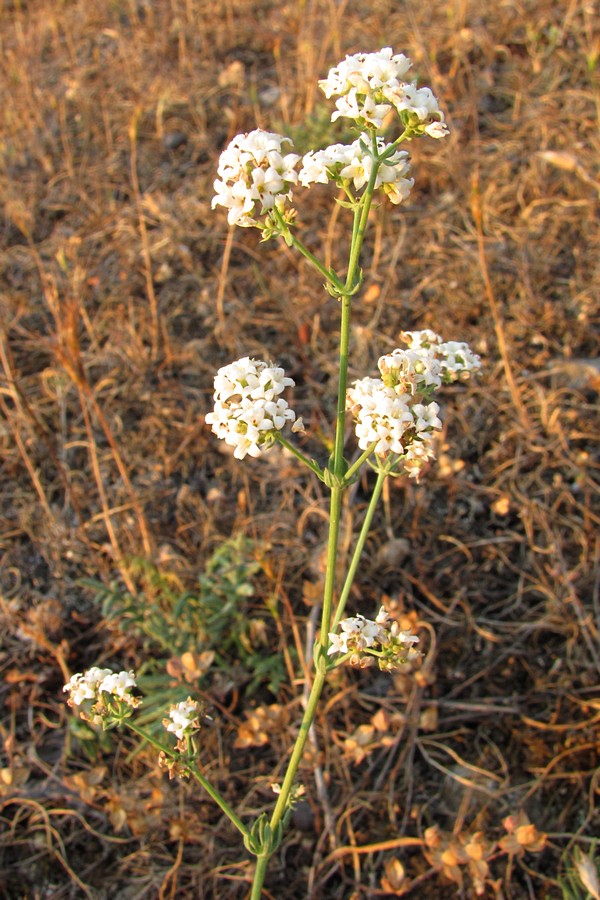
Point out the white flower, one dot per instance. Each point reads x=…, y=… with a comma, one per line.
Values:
x=405, y=637
x=369, y=85
x=455, y=358
x=411, y=370
x=84, y=686
x=436, y=130
x=417, y=339
x=383, y=616
x=420, y=106
x=339, y=643
x=389, y=419
x=394, y=413
x=357, y=634
x=458, y=360
x=426, y=417
x=364, y=639
x=319, y=166
x=353, y=106
x=395, y=186
x=184, y=718
x=238, y=199
x=354, y=163
x=382, y=416
x=418, y=454
x=368, y=72
x=88, y=688
x=248, y=410
x=118, y=684
x=255, y=177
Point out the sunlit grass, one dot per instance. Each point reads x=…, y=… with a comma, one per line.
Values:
x=113, y=117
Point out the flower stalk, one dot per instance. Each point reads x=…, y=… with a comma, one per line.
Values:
x=212, y=792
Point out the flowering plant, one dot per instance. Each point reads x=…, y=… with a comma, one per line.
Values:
x=395, y=417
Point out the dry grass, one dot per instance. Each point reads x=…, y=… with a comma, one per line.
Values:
x=121, y=293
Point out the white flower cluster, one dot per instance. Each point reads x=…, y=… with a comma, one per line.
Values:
x=456, y=359
x=354, y=162
x=386, y=417
x=381, y=636
x=97, y=688
x=255, y=177
x=357, y=634
x=411, y=370
x=395, y=412
x=370, y=85
x=184, y=718
x=248, y=411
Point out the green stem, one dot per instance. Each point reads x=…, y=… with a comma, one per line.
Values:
x=330, y=276
x=360, y=543
x=355, y=222
x=210, y=790
x=356, y=465
x=312, y=465
x=290, y=775
x=290, y=237
x=359, y=232
x=337, y=464
x=394, y=146
x=338, y=451
x=262, y=861
x=296, y=757
x=335, y=508
x=259, y=876
x=360, y=225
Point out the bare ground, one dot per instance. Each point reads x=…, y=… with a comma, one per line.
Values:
x=121, y=294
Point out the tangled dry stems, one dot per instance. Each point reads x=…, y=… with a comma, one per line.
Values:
x=122, y=293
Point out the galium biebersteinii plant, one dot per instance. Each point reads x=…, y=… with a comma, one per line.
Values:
x=396, y=419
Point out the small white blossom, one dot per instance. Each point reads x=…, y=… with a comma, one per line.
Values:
x=353, y=163
x=357, y=633
x=318, y=166
x=248, y=411
x=184, y=718
x=395, y=412
x=369, y=85
x=428, y=361
x=392, y=628
x=93, y=690
x=84, y=686
x=359, y=81
x=361, y=108
x=418, y=339
x=458, y=361
x=382, y=416
x=255, y=176
x=411, y=370
x=118, y=684
x=418, y=455
x=338, y=643
x=367, y=71
x=365, y=639
x=420, y=107
x=426, y=417
x=437, y=129
x=383, y=616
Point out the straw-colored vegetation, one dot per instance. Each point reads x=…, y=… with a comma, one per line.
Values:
x=130, y=538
